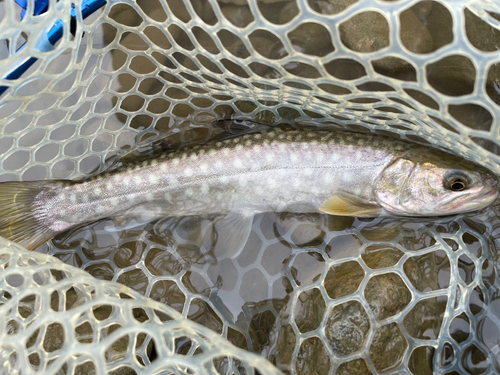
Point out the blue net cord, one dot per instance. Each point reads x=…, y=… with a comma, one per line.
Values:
x=54, y=34
x=40, y=7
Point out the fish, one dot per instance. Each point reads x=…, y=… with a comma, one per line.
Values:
x=283, y=170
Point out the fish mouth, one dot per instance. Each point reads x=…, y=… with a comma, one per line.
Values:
x=471, y=201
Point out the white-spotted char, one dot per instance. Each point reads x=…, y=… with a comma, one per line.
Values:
x=283, y=170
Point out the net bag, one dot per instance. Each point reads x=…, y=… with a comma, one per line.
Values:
x=84, y=83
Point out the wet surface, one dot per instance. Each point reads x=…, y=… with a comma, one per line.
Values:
x=309, y=292
x=312, y=293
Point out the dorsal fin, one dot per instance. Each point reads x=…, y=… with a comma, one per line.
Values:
x=225, y=129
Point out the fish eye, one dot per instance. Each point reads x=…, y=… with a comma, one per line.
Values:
x=456, y=181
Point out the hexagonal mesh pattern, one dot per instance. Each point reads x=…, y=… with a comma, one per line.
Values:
x=313, y=294
x=74, y=323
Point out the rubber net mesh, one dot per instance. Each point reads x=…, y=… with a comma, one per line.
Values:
x=312, y=294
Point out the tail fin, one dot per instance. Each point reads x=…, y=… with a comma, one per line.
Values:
x=18, y=219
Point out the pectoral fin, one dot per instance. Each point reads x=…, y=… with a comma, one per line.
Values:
x=346, y=205
x=232, y=234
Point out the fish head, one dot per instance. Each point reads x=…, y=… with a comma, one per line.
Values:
x=434, y=184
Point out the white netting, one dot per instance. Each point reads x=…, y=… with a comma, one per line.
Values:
x=71, y=323
x=311, y=293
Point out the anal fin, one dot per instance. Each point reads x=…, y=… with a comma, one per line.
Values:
x=232, y=231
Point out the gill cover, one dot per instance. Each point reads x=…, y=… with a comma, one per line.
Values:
x=391, y=185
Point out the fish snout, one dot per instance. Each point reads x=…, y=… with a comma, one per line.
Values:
x=490, y=181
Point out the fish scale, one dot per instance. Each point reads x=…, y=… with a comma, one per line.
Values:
x=280, y=170
x=244, y=155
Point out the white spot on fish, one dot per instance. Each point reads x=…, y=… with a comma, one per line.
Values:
x=212, y=151
x=85, y=198
x=137, y=180
x=154, y=162
x=282, y=173
x=109, y=186
x=73, y=198
x=269, y=158
x=237, y=163
x=188, y=172
x=167, y=196
x=294, y=158
x=258, y=136
x=248, y=143
x=149, y=196
x=204, y=188
x=173, y=181
x=163, y=167
x=328, y=178
x=219, y=165
x=189, y=192
x=145, y=163
x=175, y=161
x=152, y=178
x=114, y=201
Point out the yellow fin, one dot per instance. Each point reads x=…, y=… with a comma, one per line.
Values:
x=345, y=205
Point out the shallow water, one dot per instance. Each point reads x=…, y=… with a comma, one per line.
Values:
x=310, y=292
x=315, y=292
